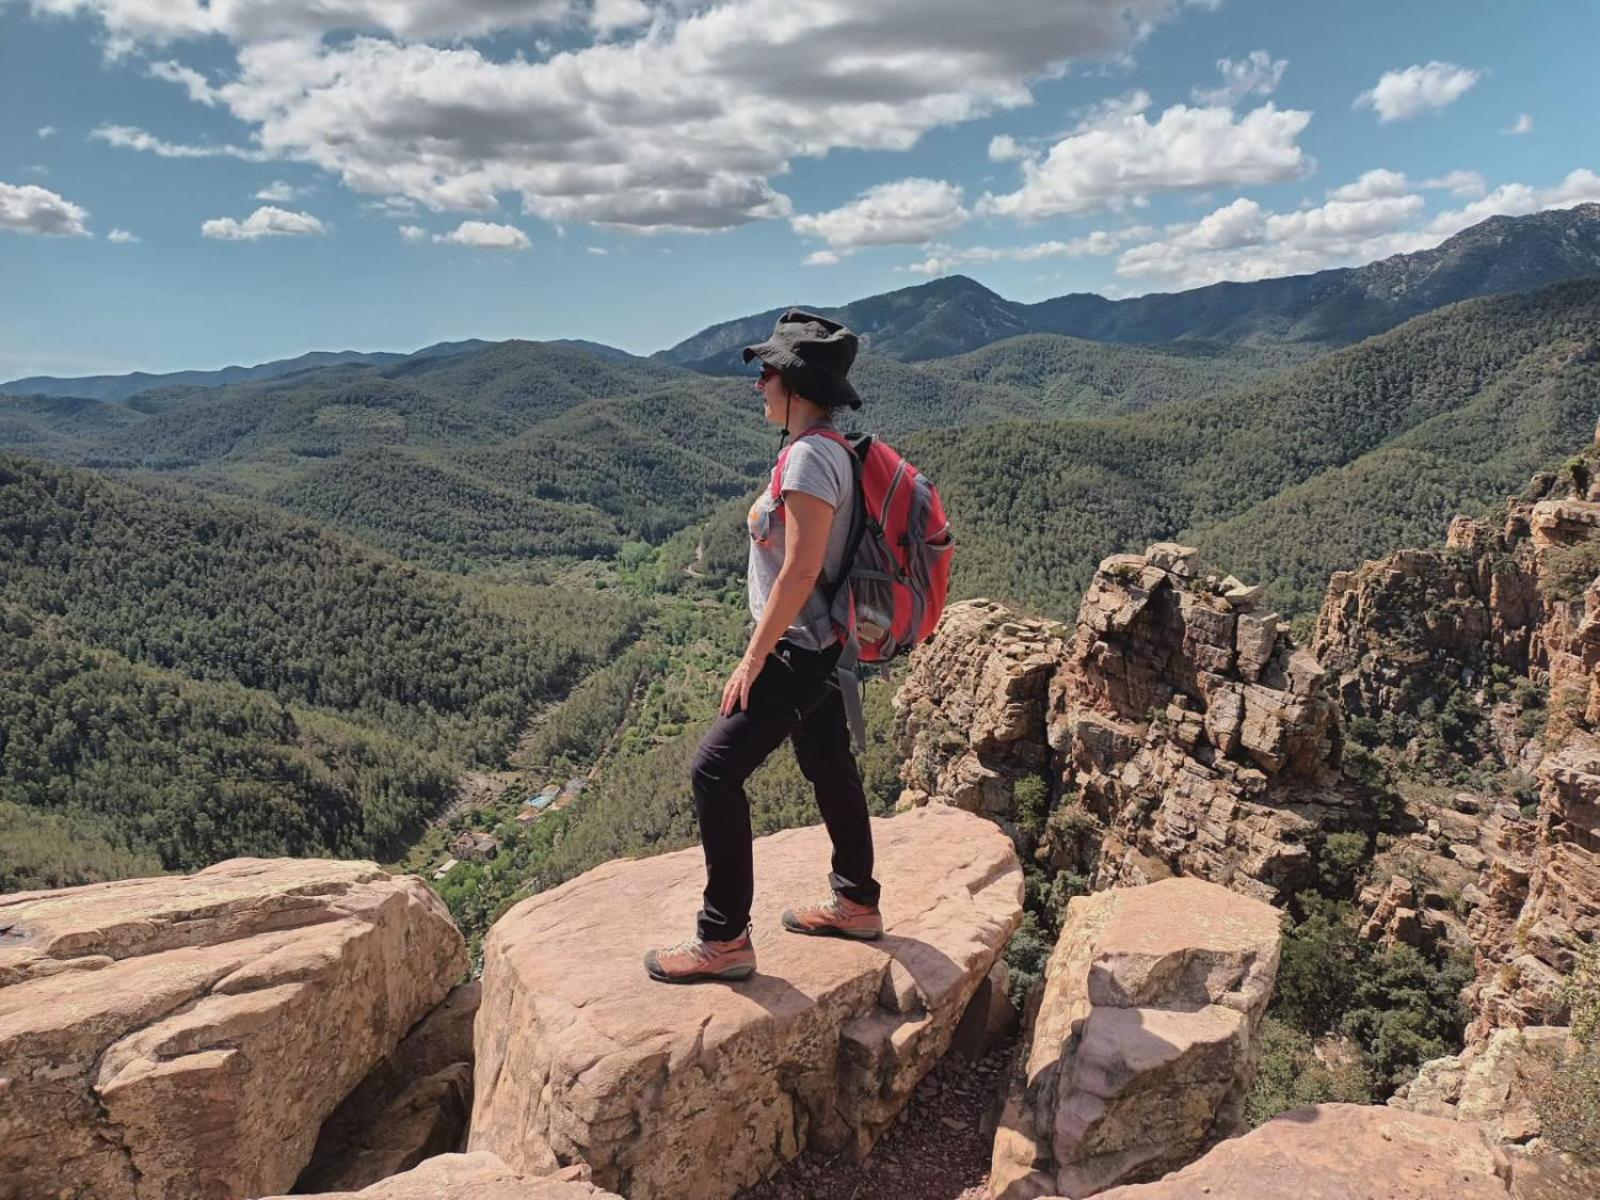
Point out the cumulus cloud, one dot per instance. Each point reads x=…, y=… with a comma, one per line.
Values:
x=1518, y=199
x=1523, y=124
x=1376, y=216
x=29, y=208
x=1400, y=95
x=1371, y=185
x=47, y=131
x=1005, y=148
x=908, y=210
x=1256, y=74
x=121, y=237
x=1458, y=183
x=266, y=221
x=413, y=233
x=608, y=16
x=486, y=235
x=279, y=192
x=128, y=137
x=683, y=128
x=942, y=260
x=822, y=258
x=1119, y=155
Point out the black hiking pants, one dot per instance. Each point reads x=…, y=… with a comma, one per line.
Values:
x=793, y=697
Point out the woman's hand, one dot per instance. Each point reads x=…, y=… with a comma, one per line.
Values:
x=736, y=692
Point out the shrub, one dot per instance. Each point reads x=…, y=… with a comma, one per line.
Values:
x=1031, y=799
x=1569, y=1107
x=1341, y=865
x=1291, y=1075
x=1026, y=955
x=1568, y=570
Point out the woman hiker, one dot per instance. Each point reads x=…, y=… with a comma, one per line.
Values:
x=785, y=685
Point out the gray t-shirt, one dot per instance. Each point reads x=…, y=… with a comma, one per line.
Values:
x=819, y=467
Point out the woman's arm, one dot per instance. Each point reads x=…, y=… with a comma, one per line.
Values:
x=808, y=522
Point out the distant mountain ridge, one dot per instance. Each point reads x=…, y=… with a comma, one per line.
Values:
x=1338, y=307
x=123, y=387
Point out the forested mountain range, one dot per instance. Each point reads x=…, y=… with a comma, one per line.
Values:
x=122, y=387
x=182, y=683
x=1329, y=308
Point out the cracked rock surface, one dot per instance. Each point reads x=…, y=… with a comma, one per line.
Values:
x=695, y=1091
x=468, y=1177
x=187, y=1035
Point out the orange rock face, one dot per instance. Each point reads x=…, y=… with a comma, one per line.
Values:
x=187, y=1035
x=694, y=1091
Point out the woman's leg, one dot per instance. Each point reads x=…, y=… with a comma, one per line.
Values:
x=822, y=748
x=729, y=754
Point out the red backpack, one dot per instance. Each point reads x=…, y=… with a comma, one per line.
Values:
x=897, y=561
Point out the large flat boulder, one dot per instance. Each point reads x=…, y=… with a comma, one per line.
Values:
x=695, y=1091
x=466, y=1177
x=1341, y=1152
x=1145, y=1041
x=188, y=1035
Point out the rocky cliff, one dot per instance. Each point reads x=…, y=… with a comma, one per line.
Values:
x=1488, y=649
x=1175, y=729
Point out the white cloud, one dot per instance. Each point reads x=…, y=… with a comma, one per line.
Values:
x=1523, y=124
x=196, y=84
x=1005, y=148
x=685, y=127
x=908, y=210
x=1372, y=184
x=127, y=137
x=1400, y=95
x=279, y=192
x=1518, y=199
x=1360, y=223
x=1458, y=183
x=608, y=16
x=1256, y=74
x=822, y=258
x=942, y=260
x=1118, y=156
x=597, y=251
x=266, y=221
x=413, y=233
x=48, y=131
x=121, y=237
x=485, y=234
x=28, y=208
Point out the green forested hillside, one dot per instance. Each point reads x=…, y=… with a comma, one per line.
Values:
x=1484, y=392
x=192, y=682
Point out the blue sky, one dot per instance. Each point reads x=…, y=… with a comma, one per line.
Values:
x=189, y=185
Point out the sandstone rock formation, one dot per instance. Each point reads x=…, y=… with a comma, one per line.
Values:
x=187, y=1035
x=971, y=716
x=1144, y=1045
x=468, y=1177
x=669, y=1092
x=1494, y=1082
x=1342, y=1152
x=1510, y=596
x=413, y=1105
x=1177, y=718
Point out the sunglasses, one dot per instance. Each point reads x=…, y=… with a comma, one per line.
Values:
x=767, y=372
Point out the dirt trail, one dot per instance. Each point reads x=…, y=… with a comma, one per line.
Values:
x=939, y=1150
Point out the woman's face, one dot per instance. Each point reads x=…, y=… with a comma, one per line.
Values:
x=770, y=384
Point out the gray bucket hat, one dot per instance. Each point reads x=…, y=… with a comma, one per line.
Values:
x=815, y=354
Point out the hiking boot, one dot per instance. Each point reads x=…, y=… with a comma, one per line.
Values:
x=695, y=961
x=836, y=917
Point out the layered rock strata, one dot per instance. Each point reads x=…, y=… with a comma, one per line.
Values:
x=1145, y=1040
x=1496, y=1082
x=668, y=1092
x=1177, y=719
x=1507, y=596
x=468, y=1177
x=188, y=1035
x=1340, y=1152
x=971, y=716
